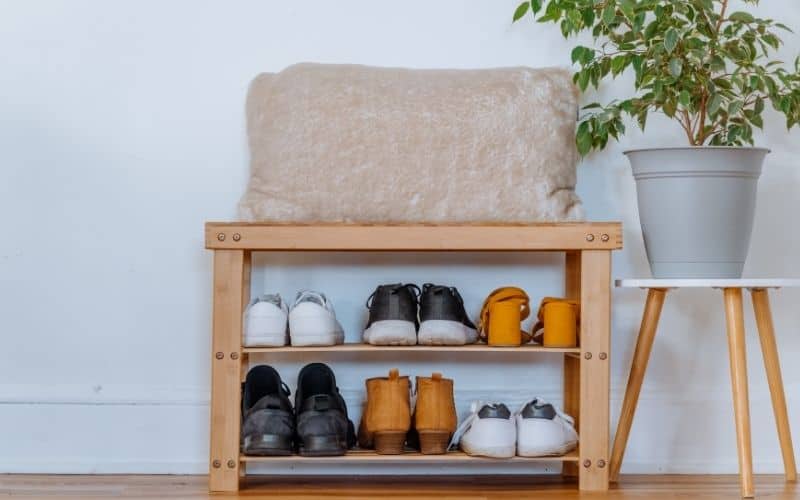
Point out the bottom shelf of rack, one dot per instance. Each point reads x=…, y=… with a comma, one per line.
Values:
x=367, y=456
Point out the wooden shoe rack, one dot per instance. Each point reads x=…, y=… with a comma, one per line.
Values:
x=587, y=248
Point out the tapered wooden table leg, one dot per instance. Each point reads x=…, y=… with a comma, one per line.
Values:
x=641, y=356
x=769, y=349
x=738, y=361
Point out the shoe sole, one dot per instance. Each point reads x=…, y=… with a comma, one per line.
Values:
x=445, y=332
x=548, y=452
x=489, y=451
x=316, y=339
x=434, y=442
x=391, y=332
x=265, y=340
x=389, y=442
x=322, y=446
x=267, y=445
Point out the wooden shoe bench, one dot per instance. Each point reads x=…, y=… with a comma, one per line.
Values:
x=587, y=249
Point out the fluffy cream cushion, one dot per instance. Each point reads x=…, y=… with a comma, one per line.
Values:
x=345, y=143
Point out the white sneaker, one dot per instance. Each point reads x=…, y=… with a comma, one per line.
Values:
x=265, y=322
x=313, y=322
x=489, y=431
x=543, y=430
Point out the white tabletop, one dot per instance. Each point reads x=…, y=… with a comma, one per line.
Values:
x=708, y=283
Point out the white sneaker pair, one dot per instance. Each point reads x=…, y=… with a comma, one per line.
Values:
x=538, y=429
x=311, y=321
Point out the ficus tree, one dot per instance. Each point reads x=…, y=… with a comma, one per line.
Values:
x=699, y=62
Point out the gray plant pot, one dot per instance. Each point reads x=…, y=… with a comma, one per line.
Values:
x=696, y=207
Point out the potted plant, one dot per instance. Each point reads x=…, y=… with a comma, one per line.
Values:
x=706, y=68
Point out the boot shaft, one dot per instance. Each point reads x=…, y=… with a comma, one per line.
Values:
x=388, y=403
x=435, y=405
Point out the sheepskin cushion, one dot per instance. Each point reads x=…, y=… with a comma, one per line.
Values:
x=346, y=143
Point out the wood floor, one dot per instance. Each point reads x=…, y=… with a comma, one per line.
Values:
x=469, y=488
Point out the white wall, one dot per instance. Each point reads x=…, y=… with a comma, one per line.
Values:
x=122, y=131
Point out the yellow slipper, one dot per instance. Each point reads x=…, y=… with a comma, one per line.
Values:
x=501, y=315
x=557, y=324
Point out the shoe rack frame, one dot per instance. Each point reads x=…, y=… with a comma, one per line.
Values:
x=587, y=248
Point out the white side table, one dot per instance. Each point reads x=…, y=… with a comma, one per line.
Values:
x=732, y=293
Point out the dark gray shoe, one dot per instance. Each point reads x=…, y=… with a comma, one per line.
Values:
x=323, y=428
x=267, y=418
x=443, y=320
x=392, y=315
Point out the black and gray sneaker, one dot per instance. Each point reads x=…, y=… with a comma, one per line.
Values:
x=267, y=416
x=323, y=428
x=392, y=315
x=443, y=320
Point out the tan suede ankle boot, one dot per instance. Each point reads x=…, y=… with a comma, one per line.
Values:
x=435, y=414
x=387, y=414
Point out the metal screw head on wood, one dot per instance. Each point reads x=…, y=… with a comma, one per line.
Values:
x=588, y=355
x=231, y=464
x=604, y=237
x=219, y=355
x=221, y=236
x=601, y=463
x=237, y=236
x=589, y=237
x=217, y=464
x=234, y=355
x=587, y=463
x=603, y=355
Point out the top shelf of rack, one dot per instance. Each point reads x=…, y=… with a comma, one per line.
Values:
x=551, y=236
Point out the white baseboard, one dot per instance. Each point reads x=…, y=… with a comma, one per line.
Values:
x=164, y=430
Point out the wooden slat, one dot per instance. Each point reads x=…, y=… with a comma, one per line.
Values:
x=333, y=237
x=230, y=268
x=594, y=377
x=572, y=363
x=368, y=456
x=367, y=348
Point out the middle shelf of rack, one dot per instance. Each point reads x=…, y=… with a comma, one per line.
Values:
x=412, y=348
x=369, y=456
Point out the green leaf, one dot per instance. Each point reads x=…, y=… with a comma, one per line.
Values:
x=536, y=6
x=685, y=98
x=671, y=40
x=759, y=106
x=675, y=67
x=576, y=54
x=609, y=14
x=618, y=64
x=714, y=104
x=741, y=17
x=583, y=138
x=521, y=10
x=717, y=64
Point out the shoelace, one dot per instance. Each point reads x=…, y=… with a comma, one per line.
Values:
x=441, y=288
x=411, y=287
x=313, y=296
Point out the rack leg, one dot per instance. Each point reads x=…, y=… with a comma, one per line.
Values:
x=231, y=294
x=572, y=364
x=741, y=408
x=641, y=356
x=595, y=331
x=769, y=349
